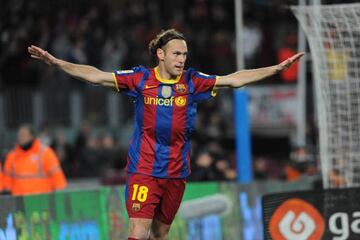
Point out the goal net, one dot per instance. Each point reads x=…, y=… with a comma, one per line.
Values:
x=333, y=33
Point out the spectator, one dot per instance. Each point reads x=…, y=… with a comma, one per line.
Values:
x=108, y=152
x=113, y=158
x=299, y=164
x=286, y=51
x=63, y=151
x=204, y=169
x=224, y=171
x=44, y=134
x=292, y=172
x=266, y=168
x=88, y=160
x=1, y=179
x=260, y=168
x=31, y=167
x=337, y=179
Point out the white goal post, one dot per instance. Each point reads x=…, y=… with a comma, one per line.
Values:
x=333, y=34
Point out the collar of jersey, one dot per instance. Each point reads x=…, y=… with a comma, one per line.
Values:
x=168, y=81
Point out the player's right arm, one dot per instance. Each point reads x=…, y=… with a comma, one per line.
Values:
x=83, y=72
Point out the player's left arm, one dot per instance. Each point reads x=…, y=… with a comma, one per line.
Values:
x=244, y=77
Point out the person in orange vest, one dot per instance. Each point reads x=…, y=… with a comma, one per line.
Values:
x=1, y=180
x=31, y=167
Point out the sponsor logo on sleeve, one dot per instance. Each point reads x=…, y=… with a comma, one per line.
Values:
x=124, y=72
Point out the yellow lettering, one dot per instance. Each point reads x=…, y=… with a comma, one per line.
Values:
x=139, y=193
x=159, y=101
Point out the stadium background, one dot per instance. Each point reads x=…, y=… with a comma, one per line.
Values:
x=89, y=127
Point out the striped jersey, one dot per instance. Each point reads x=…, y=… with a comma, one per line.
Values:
x=165, y=112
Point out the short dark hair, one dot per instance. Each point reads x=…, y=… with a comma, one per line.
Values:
x=163, y=38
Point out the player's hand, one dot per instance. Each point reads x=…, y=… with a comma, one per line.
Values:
x=288, y=62
x=41, y=54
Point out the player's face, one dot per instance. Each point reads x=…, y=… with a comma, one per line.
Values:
x=175, y=53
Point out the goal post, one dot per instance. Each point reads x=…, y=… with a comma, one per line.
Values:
x=333, y=34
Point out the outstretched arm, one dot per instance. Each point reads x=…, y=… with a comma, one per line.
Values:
x=243, y=77
x=83, y=72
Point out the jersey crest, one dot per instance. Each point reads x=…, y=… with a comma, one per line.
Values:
x=180, y=88
x=166, y=91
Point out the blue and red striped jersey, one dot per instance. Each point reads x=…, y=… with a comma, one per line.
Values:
x=165, y=112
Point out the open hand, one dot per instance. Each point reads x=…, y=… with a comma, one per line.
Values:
x=288, y=62
x=41, y=54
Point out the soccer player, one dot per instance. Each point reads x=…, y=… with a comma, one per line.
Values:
x=165, y=99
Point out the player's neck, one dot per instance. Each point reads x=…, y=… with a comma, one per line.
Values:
x=163, y=74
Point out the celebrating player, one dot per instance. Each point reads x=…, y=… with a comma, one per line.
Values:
x=165, y=99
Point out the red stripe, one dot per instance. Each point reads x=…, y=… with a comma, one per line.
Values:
x=147, y=148
x=203, y=84
x=177, y=137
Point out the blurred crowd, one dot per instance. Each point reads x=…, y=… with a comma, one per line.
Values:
x=111, y=34
x=114, y=35
x=89, y=155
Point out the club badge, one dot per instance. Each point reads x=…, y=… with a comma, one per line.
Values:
x=166, y=91
x=136, y=207
x=180, y=88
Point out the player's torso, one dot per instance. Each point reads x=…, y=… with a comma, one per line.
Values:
x=164, y=118
x=167, y=110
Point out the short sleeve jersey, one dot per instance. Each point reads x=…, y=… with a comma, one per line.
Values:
x=165, y=112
